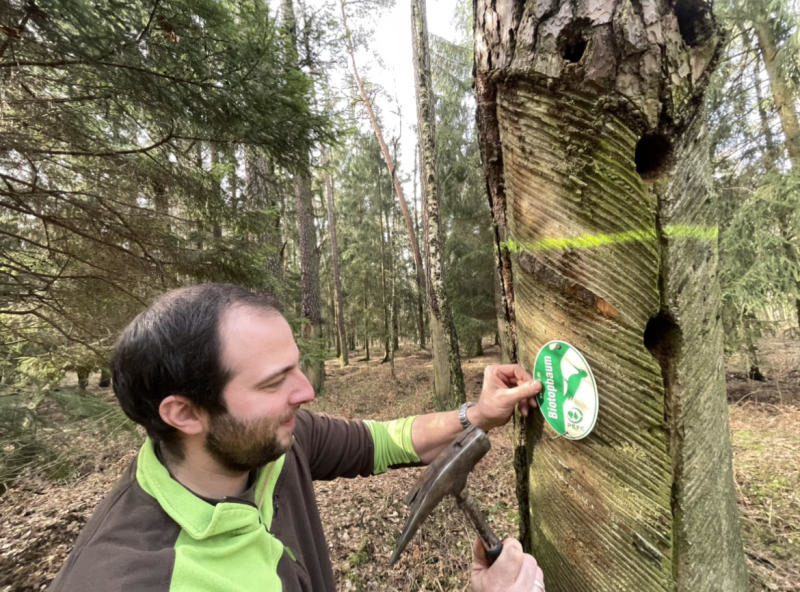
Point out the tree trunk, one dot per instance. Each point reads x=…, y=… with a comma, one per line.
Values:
x=448, y=379
x=782, y=94
x=612, y=224
x=366, y=319
x=392, y=291
x=337, y=277
x=260, y=196
x=311, y=307
x=384, y=297
x=785, y=103
x=418, y=277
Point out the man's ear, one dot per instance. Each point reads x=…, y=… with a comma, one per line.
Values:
x=183, y=415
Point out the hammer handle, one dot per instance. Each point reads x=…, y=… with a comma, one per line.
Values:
x=491, y=544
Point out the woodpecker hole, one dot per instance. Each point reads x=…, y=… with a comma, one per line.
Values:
x=662, y=339
x=653, y=152
x=694, y=21
x=572, y=40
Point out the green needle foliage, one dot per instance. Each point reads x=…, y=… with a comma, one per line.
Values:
x=122, y=128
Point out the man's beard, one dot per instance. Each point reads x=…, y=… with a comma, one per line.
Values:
x=244, y=446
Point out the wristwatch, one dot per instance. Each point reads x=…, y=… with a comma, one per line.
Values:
x=462, y=415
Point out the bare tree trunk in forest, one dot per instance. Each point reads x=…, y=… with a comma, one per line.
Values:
x=387, y=354
x=392, y=291
x=258, y=191
x=591, y=115
x=419, y=283
x=448, y=379
x=337, y=344
x=311, y=308
x=216, y=227
x=337, y=276
x=785, y=104
x=366, y=320
x=395, y=303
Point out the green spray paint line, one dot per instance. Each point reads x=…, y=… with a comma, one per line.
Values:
x=588, y=241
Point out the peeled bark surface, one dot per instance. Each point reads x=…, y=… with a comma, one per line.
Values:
x=610, y=222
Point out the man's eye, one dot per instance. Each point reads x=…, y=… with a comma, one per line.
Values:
x=274, y=384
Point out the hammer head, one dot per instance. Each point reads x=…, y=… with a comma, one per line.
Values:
x=447, y=474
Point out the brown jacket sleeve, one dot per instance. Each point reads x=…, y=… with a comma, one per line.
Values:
x=335, y=447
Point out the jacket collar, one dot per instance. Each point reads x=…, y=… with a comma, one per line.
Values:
x=199, y=518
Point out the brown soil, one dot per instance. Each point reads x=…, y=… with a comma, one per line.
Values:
x=363, y=517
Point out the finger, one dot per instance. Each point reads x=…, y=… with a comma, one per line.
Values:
x=510, y=373
x=523, y=391
x=523, y=407
x=521, y=374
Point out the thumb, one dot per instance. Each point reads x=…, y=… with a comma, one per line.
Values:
x=479, y=559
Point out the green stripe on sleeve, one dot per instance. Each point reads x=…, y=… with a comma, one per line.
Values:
x=392, y=441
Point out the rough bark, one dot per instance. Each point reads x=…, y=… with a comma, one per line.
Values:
x=448, y=379
x=611, y=221
x=337, y=276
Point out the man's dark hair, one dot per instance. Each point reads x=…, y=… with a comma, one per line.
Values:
x=173, y=348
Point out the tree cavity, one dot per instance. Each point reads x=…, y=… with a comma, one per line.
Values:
x=572, y=40
x=662, y=338
x=695, y=21
x=653, y=153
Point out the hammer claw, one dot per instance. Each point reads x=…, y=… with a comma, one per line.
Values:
x=446, y=475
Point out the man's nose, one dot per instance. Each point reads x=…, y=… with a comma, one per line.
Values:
x=303, y=391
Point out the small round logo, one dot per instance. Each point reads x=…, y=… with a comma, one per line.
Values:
x=575, y=415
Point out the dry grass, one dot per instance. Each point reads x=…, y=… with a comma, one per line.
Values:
x=766, y=446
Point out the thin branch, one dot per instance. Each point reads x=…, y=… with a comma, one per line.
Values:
x=161, y=142
x=146, y=29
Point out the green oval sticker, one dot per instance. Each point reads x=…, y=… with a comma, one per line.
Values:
x=569, y=393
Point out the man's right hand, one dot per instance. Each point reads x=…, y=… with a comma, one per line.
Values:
x=513, y=571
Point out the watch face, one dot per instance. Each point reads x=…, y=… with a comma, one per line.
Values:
x=568, y=400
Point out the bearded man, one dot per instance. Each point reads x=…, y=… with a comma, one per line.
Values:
x=220, y=497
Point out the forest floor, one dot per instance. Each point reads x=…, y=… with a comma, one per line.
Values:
x=40, y=516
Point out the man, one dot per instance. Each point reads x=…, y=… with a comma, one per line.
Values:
x=220, y=496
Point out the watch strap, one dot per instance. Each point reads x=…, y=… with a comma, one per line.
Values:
x=462, y=415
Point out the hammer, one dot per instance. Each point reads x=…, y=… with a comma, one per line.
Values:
x=447, y=474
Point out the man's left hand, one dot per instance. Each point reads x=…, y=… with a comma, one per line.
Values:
x=504, y=387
